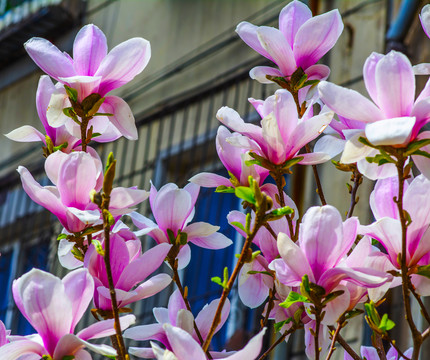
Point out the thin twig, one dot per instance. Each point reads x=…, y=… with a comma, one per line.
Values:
x=317, y=179
x=393, y=344
x=270, y=306
x=333, y=340
x=357, y=181
x=345, y=345
x=277, y=342
x=420, y=302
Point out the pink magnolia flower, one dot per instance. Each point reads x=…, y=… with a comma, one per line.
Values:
x=75, y=175
x=58, y=135
x=387, y=229
x=424, y=69
x=395, y=118
x=93, y=70
x=130, y=268
x=320, y=253
x=301, y=41
x=233, y=159
x=370, y=353
x=184, y=347
x=54, y=307
x=282, y=133
x=3, y=334
x=173, y=209
x=176, y=315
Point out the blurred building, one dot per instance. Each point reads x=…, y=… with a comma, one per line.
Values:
x=198, y=64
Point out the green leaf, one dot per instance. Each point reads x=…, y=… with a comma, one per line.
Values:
x=68, y=357
x=225, y=189
x=62, y=146
x=245, y=193
x=238, y=225
x=172, y=237
x=99, y=248
x=416, y=145
x=252, y=162
x=279, y=325
x=293, y=298
x=289, y=163
x=366, y=142
x=421, y=153
x=77, y=253
x=217, y=280
x=225, y=281
x=310, y=82
x=305, y=285
x=424, y=271
x=353, y=313
x=332, y=296
x=248, y=223
x=298, y=76
x=372, y=313
x=375, y=242
x=93, y=135
x=61, y=237
x=183, y=238
x=103, y=114
x=386, y=324
x=286, y=210
x=109, y=162
x=71, y=93
x=253, y=272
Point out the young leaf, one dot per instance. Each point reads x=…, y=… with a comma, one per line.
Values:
x=217, y=280
x=424, y=271
x=61, y=236
x=99, y=248
x=286, y=210
x=171, y=236
x=279, y=325
x=224, y=189
x=238, y=225
x=293, y=298
x=386, y=324
x=71, y=93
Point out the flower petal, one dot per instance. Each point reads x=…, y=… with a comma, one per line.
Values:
x=394, y=131
x=291, y=18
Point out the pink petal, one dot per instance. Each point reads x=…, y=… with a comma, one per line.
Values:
x=206, y=235
x=146, y=332
x=291, y=18
x=205, y=316
x=381, y=198
x=205, y=179
x=395, y=84
x=184, y=257
x=252, y=350
x=16, y=349
x=252, y=289
x=126, y=197
x=35, y=294
x=425, y=19
x=79, y=287
x=183, y=345
x=123, y=63
x=274, y=42
x=421, y=111
x=349, y=103
x=370, y=75
x=70, y=344
x=314, y=158
x=141, y=268
x=248, y=33
x=316, y=37
x=51, y=60
x=105, y=328
x=89, y=49
x=122, y=118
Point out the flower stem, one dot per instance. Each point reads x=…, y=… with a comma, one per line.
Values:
x=333, y=340
x=358, y=179
x=345, y=345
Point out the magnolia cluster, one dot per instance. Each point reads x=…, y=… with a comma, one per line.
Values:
x=314, y=270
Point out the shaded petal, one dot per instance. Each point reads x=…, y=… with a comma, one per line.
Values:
x=316, y=37
x=259, y=73
x=51, y=60
x=126, y=197
x=206, y=235
x=421, y=69
x=123, y=63
x=205, y=316
x=147, y=332
x=251, y=350
x=314, y=158
x=25, y=133
x=184, y=257
x=355, y=150
x=370, y=76
x=89, y=49
x=373, y=171
x=381, y=199
x=329, y=145
x=122, y=118
x=183, y=345
x=348, y=103
x=69, y=344
x=421, y=111
x=394, y=131
x=425, y=19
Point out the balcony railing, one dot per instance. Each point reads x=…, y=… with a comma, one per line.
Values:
x=22, y=19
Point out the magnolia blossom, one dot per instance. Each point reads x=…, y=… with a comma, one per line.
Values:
x=176, y=315
x=54, y=307
x=387, y=228
x=130, y=268
x=173, y=209
x=300, y=41
x=93, y=70
x=424, y=69
x=234, y=160
x=282, y=133
x=184, y=347
x=58, y=135
x=320, y=253
x=370, y=353
x=395, y=118
x=75, y=176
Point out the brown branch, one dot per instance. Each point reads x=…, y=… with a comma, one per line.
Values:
x=333, y=340
x=345, y=345
x=420, y=302
x=277, y=342
x=317, y=179
x=270, y=306
x=243, y=255
x=393, y=344
x=357, y=181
